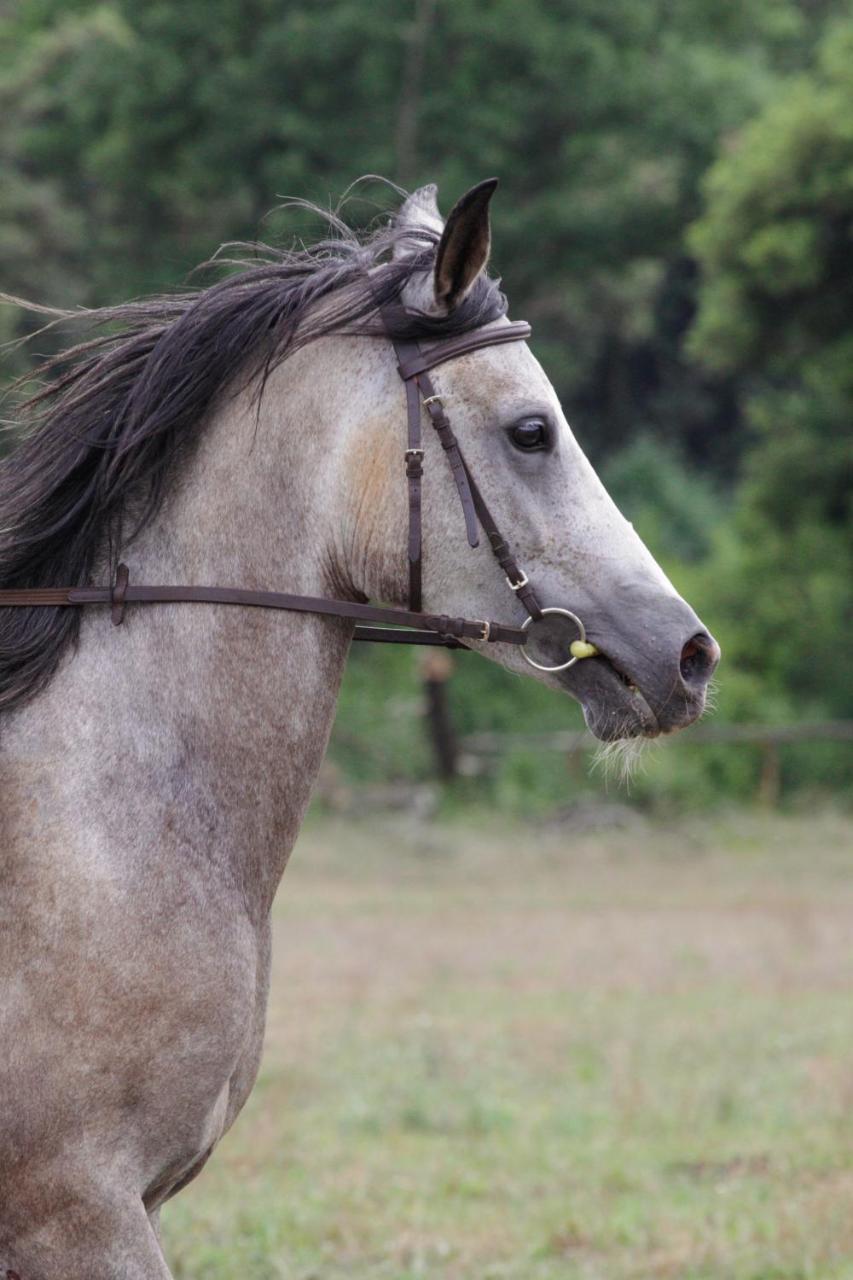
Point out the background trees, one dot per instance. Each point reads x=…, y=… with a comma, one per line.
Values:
x=776, y=308
x=675, y=218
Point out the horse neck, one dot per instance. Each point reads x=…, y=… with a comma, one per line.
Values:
x=196, y=732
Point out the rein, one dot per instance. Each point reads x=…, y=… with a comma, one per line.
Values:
x=374, y=623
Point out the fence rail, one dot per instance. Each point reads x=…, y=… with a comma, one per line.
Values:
x=768, y=737
x=472, y=753
x=757, y=734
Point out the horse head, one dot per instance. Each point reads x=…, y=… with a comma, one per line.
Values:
x=653, y=657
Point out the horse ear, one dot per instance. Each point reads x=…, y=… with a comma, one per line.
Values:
x=465, y=243
x=418, y=212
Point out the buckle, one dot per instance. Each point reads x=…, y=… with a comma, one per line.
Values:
x=522, y=582
x=487, y=629
x=412, y=454
x=428, y=400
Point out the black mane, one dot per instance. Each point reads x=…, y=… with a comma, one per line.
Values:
x=107, y=431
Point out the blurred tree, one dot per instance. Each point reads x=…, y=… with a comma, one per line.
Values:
x=674, y=509
x=162, y=129
x=776, y=246
x=43, y=221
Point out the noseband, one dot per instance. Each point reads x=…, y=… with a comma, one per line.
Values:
x=396, y=626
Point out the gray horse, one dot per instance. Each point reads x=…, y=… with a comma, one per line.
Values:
x=154, y=775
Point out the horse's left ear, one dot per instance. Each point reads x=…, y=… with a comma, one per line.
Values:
x=464, y=247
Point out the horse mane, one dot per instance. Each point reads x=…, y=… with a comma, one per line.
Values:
x=117, y=413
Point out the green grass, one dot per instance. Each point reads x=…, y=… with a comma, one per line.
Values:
x=519, y=1055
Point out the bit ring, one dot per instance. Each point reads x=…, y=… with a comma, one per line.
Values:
x=564, y=613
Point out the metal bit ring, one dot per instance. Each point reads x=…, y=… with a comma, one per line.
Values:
x=565, y=613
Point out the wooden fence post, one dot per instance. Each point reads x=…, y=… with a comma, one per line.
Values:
x=436, y=669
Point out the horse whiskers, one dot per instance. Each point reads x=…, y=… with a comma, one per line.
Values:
x=620, y=761
x=712, y=695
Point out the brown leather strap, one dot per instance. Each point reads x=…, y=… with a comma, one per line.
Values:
x=515, y=575
x=450, y=445
x=414, y=474
x=487, y=336
x=37, y=597
x=414, y=457
x=441, y=624
x=393, y=635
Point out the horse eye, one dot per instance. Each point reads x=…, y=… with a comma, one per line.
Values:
x=529, y=434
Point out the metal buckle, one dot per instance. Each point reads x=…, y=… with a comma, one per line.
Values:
x=487, y=629
x=413, y=453
x=522, y=582
x=433, y=400
x=563, y=666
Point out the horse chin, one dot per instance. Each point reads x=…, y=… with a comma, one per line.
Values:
x=613, y=709
x=615, y=723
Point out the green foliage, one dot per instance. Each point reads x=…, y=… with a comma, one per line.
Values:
x=791, y=585
x=777, y=300
x=672, y=506
x=775, y=240
x=162, y=129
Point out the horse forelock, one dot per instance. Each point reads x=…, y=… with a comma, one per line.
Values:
x=119, y=412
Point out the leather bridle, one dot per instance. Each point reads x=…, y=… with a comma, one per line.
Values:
x=376, y=623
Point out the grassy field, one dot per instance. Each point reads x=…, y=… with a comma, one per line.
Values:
x=509, y=1054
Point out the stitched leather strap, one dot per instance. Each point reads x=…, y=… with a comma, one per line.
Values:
x=441, y=624
x=394, y=635
x=414, y=457
x=450, y=445
x=414, y=474
x=487, y=336
x=515, y=575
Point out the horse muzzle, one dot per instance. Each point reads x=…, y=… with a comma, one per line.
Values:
x=649, y=670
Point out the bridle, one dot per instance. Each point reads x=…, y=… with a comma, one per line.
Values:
x=375, y=623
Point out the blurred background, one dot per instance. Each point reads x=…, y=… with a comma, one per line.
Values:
x=675, y=220
x=616, y=1041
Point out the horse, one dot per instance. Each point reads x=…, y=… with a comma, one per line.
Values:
x=154, y=774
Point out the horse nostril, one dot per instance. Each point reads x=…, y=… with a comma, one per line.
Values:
x=699, y=658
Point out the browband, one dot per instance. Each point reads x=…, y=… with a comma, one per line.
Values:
x=489, y=336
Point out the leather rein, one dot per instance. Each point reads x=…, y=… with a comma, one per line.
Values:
x=373, y=622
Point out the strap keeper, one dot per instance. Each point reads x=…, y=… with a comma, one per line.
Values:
x=447, y=626
x=414, y=463
x=118, y=593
